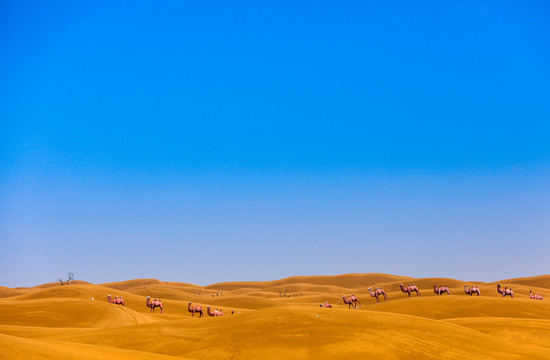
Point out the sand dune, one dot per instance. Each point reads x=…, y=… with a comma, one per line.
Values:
x=535, y=281
x=12, y=347
x=63, y=322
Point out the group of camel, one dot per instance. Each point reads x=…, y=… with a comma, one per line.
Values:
x=198, y=309
x=350, y=300
x=409, y=289
x=508, y=291
x=157, y=303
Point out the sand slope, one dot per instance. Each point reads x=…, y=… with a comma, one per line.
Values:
x=63, y=322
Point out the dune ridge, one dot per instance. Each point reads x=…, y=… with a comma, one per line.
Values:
x=274, y=319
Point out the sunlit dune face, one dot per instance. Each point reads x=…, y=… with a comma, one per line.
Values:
x=77, y=321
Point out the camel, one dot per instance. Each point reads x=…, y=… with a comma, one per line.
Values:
x=213, y=313
x=441, y=290
x=195, y=309
x=377, y=292
x=505, y=291
x=352, y=299
x=326, y=305
x=535, y=297
x=472, y=290
x=409, y=289
x=508, y=291
x=117, y=300
x=355, y=300
x=154, y=304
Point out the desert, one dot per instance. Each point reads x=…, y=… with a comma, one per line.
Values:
x=277, y=319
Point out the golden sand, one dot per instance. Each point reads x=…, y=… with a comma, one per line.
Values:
x=63, y=322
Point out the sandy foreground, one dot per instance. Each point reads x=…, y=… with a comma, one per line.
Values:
x=76, y=321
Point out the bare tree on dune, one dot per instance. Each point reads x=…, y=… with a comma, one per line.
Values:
x=409, y=289
x=154, y=304
x=377, y=292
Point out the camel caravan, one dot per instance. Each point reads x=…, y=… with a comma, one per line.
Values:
x=157, y=303
x=350, y=300
x=378, y=292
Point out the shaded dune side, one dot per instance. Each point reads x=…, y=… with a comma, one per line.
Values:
x=541, y=281
x=523, y=331
x=10, y=292
x=69, y=313
x=16, y=348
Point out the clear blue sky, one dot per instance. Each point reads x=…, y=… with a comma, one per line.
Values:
x=217, y=141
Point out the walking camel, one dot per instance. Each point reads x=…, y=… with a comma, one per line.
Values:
x=195, y=309
x=409, y=289
x=117, y=300
x=441, y=290
x=352, y=299
x=153, y=304
x=535, y=297
x=505, y=291
x=377, y=292
x=474, y=289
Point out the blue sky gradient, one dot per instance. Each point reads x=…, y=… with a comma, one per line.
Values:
x=212, y=141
